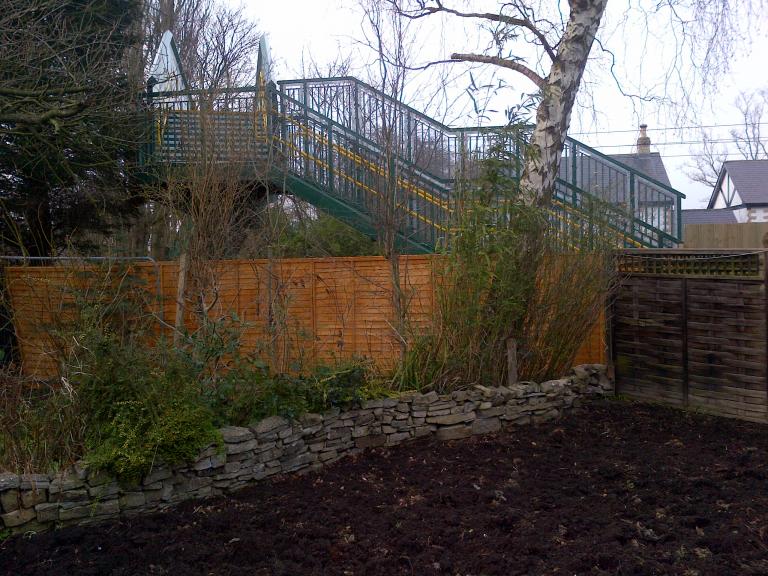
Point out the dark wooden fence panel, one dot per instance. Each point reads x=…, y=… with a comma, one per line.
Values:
x=648, y=344
x=727, y=347
x=689, y=328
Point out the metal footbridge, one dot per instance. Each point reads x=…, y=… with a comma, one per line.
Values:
x=361, y=156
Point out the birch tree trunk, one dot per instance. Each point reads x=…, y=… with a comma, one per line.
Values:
x=558, y=95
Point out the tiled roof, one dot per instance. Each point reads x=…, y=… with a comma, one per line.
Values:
x=750, y=177
x=706, y=216
x=649, y=164
x=593, y=175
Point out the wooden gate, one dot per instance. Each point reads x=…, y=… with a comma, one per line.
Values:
x=689, y=328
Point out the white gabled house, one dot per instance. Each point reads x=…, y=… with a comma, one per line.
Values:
x=740, y=195
x=742, y=190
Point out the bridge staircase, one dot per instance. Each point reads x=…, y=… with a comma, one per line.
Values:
x=370, y=160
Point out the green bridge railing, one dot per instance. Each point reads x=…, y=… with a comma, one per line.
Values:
x=371, y=160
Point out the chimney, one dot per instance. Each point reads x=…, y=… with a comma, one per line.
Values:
x=643, y=142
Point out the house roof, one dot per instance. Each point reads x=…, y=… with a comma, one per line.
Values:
x=750, y=178
x=612, y=185
x=709, y=216
x=649, y=164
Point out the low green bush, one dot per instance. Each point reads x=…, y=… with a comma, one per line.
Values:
x=140, y=405
x=124, y=405
x=142, y=433
x=41, y=425
x=250, y=392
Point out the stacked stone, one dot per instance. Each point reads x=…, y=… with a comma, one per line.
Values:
x=35, y=502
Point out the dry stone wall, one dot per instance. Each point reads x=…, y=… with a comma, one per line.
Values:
x=36, y=502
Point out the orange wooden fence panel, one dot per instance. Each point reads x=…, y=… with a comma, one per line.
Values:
x=295, y=312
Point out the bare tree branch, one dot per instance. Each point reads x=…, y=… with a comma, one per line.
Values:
x=503, y=63
x=750, y=142
x=490, y=16
x=51, y=116
x=217, y=43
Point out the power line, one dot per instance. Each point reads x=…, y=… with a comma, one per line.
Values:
x=679, y=128
x=727, y=155
x=683, y=143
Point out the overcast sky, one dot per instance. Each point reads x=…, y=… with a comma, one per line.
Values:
x=327, y=29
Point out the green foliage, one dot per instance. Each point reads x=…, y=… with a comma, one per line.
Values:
x=486, y=281
x=142, y=432
x=512, y=271
x=342, y=386
x=324, y=236
x=120, y=403
x=163, y=403
x=41, y=426
x=124, y=405
x=141, y=405
x=44, y=425
x=250, y=392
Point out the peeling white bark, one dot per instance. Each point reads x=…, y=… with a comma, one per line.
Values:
x=558, y=92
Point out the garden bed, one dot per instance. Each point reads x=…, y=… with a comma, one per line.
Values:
x=617, y=489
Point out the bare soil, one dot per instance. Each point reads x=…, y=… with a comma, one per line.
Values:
x=618, y=489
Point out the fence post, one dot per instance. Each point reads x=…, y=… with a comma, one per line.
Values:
x=763, y=261
x=632, y=204
x=511, y=361
x=181, y=288
x=684, y=302
x=271, y=332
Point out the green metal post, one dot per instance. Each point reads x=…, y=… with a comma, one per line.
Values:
x=573, y=173
x=330, y=158
x=356, y=98
x=409, y=150
x=632, y=202
x=305, y=102
x=358, y=151
x=283, y=123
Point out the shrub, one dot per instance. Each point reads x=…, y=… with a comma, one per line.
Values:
x=249, y=392
x=140, y=405
x=41, y=425
x=124, y=405
x=513, y=271
x=143, y=432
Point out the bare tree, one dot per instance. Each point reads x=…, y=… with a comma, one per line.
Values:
x=210, y=205
x=392, y=40
x=217, y=45
x=550, y=48
x=565, y=45
x=749, y=139
x=217, y=42
x=51, y=68
x=67, y=130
